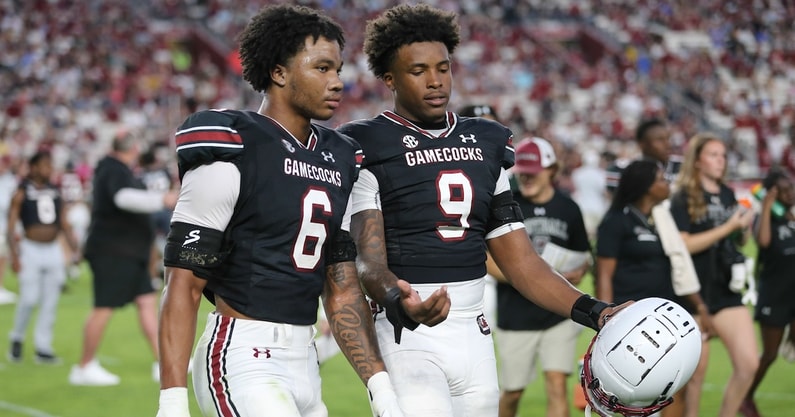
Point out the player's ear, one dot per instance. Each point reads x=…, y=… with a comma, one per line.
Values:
x=278, y=75
x=389, y=81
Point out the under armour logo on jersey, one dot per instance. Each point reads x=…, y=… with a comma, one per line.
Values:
x=539, y=211
x=289, y=146
x=264, y=352
x=193, y=236
x=469, y=138
x=327, y=156
x=410, y=141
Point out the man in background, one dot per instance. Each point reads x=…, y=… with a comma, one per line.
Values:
x=118, y=248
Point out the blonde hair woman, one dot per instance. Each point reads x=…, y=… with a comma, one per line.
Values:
x=712, y=226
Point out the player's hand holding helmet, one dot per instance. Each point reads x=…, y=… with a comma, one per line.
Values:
x=640, y=359
x=383, y=399
x=173, y=402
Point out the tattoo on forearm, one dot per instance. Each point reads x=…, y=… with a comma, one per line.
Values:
x=347, y=323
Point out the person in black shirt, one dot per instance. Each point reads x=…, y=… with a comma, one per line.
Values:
x=654, y=140
x=528, y=334
x=261, y=230
x=775, y=237
x=712, y=225
x=37, y=257
x=117, y=248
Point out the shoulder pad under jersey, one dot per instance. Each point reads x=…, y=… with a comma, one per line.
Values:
x=205, y=137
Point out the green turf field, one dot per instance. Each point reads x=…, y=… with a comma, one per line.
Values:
x=33, y=390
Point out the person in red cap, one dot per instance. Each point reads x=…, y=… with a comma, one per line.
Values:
x=528, y=335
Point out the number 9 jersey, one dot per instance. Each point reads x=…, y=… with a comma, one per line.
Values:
x=435, y=189
x=258, y=209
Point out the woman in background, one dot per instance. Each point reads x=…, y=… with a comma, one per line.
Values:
x=707, y=215
x=775, y=237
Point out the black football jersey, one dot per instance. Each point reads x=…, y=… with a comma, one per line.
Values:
x=41, y=205
x=291, y=202
x=435, y=191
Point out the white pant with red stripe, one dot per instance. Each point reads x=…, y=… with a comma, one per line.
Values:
x=252, y=368
x=448, y=370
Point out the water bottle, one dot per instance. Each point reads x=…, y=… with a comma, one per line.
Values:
x=759, y=192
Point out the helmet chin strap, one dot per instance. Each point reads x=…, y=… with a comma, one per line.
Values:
x=587, y=410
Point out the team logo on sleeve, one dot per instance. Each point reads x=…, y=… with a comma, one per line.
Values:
x=192, y=237
x=484, y=325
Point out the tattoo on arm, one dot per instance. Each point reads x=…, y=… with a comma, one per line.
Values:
x=367, y=229
x=351, y=320
x=347, y=325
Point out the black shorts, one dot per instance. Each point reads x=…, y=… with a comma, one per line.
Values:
x=119, y=280
x=775, y=305
x=718, y=296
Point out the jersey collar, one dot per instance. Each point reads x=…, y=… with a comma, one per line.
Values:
x=311, y=143
x=451, y=122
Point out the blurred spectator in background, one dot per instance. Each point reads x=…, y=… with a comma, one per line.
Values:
x=530, y=337
x=37, y=258
x=589, y=182
x=712, y=225
x=118, y=248
x=155, y=175
x=8, y=183
x=775, y=237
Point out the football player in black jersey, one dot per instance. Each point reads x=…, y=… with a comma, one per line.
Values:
x=260, y=230
x=433, y=193
x=37, y=257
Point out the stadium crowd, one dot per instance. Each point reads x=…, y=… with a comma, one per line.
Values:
x=581, y=73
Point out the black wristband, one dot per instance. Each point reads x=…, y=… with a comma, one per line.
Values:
x=396, y=314
x=586, y=311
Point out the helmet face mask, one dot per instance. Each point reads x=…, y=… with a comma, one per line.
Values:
x=641, y=358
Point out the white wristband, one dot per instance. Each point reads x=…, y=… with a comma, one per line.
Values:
x=382, y=395
x=174, y=402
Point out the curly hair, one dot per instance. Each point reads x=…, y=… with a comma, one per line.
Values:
x=276, y=34
x=404, y=25
x=688, y=180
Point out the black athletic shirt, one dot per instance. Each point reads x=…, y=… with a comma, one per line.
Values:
x=41, y=205
x=435, y=191
x=642, y=268
x=558, y=221
x=711, y=263
x=114, y=231
x=291, y=202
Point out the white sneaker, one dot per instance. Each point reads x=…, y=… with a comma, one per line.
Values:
x=93, y=374
x=7, y=297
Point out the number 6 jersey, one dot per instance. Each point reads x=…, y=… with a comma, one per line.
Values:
x=434, y=189
x=290, y=202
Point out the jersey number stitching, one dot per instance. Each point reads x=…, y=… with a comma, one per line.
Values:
x=455, y=196
x=313, y=232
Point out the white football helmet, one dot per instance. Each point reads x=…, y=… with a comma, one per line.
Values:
x=640, y=358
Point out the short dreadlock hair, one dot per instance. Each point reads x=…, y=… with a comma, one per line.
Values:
x=276, y=34
x=404, y=25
